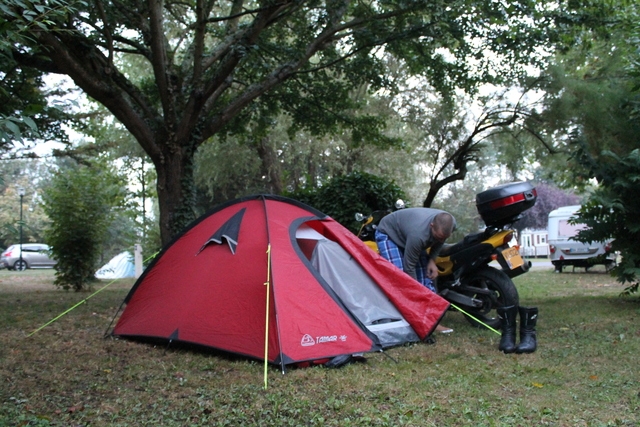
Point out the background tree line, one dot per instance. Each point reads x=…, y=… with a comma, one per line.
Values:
x=281, y=99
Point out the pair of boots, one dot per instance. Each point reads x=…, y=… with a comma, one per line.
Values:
x=528, y=317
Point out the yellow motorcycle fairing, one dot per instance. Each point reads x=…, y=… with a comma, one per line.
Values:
x=371, y=244
x=498, y=239
x=445, y=264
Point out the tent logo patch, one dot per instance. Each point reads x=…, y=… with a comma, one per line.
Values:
x=307, y=341
x=327, y=338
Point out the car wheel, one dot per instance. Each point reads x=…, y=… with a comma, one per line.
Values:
x=558, y=266
x=20, y=265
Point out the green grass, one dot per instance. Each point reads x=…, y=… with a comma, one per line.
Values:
x=585, y=372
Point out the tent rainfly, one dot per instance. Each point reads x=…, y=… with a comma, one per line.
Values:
x=267, y=266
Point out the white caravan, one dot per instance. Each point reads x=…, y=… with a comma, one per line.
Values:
x=563, y=250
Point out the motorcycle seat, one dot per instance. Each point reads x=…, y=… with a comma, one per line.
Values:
x=469, y=239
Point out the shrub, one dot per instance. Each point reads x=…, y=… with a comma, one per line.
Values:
x=79, y=204
x=613, y=211
x=343, y=196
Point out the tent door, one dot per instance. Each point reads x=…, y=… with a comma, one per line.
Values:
x=360, y=294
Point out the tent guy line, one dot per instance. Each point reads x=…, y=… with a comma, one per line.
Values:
x=476, y=319
x=80, y=303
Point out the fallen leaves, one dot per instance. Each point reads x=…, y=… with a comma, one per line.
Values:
x=72, y=409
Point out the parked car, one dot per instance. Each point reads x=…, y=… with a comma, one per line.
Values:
x=34, y=255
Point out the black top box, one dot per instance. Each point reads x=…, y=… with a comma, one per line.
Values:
x=501, y=205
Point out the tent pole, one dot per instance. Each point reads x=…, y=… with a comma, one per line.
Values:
x=106, y=331
x=266, y=216
x=266, y=323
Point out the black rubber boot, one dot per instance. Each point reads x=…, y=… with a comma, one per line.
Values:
x=528, y=318
x=508, y=339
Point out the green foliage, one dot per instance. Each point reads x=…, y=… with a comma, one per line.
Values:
x=592, y=107
x=613, y=210
x=24, y=110
x=31, y=175
x=225, y=170
x=590, y=87
x=633, y=69
x=343, y=196
x=116, y=145
x=588, y=91
x=79, y=204
x=10, y=128
x=223, y=67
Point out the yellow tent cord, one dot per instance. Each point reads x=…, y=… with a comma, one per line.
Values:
x=81, y=302
x=266, y=323
x=67, y=311
x=477, y=320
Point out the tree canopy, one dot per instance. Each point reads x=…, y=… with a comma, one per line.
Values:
x=209, y=68
x=25, y=112
x=591, y=107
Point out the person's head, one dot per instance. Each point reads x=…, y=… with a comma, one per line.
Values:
x=442, y=226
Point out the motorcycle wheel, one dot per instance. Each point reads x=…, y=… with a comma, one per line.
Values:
x=504, y=294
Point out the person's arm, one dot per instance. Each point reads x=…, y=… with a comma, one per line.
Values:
x=435, y=250
x=412, y=253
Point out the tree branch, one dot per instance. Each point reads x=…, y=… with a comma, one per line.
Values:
x=90, y=70
x=160, y=60
x=222, y=81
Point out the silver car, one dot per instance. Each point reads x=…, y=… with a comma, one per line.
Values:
x=34, y=255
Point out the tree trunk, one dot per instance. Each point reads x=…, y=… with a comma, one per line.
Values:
x=437, y=185
x=270, y=166
x=176, y=193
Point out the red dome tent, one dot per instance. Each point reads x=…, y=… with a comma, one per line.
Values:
x=329, y=295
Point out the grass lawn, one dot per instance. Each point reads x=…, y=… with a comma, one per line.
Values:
x=585, y=372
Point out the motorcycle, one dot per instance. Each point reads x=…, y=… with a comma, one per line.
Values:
x=466, y=276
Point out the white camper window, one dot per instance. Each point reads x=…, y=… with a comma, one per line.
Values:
x=569, y=230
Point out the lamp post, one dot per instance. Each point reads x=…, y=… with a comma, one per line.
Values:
x=21, y=194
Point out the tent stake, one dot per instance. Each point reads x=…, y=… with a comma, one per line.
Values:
x=167, y=347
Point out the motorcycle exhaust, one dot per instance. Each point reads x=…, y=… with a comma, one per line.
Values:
x=518, y=271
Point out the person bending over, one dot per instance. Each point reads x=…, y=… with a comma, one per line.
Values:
x=404, y=236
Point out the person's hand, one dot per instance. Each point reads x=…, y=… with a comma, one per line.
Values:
x=432, y=270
